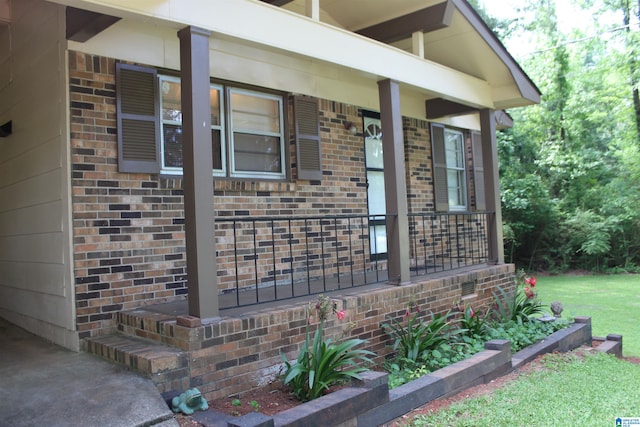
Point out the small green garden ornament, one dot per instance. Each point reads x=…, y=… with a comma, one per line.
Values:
x=189, y=402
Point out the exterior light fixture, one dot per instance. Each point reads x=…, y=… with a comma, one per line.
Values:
x=351, y=127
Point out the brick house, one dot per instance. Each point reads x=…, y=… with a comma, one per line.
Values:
x=353, y=153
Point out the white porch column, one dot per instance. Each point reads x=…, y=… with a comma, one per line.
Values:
x=197, y=172
x=395, y=184
x=492, y=185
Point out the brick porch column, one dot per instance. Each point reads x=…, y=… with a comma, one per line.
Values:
x=492, y=185
x=197, y=172
x=395, y=184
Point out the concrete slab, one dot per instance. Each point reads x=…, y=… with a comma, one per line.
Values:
x=46, y=385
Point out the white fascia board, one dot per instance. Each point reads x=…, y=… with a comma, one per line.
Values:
x=260, y=23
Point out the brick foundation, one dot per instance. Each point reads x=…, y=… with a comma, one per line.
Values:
x=231, y=355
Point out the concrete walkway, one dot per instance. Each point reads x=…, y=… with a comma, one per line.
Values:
x=42, y=384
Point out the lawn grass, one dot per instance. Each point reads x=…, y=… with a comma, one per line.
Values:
x=612, y=301
x=569, y=391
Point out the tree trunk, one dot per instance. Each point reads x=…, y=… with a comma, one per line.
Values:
x=633, y=64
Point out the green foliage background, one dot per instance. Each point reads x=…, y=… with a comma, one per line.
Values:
x=570, y=166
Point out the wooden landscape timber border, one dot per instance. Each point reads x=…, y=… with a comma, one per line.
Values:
x=369, y=402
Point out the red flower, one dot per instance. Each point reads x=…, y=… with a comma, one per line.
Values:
x=531, y=281
x=529, y=293
x=471, y=312
x=407, y=313
x=340, y=314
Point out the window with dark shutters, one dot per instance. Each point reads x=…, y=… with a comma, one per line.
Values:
x=307, y=124
x=441, y=192
x=138, y=123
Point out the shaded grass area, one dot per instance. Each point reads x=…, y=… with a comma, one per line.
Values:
x=612, y=301
x=568, y=390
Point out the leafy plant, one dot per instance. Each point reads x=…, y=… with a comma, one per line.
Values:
x=402, y=373
x=473, y=323
x=238, y=403
x=322, y=363
x=521, y=304
x=418, y=337
x=523, y=333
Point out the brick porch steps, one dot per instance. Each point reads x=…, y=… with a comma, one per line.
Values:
x=167, y=366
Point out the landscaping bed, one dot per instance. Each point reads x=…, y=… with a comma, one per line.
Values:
x=369, y=401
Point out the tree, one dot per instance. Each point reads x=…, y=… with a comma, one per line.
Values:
x=569, y=186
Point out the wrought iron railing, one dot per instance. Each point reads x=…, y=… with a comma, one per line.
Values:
x=265, y=259
x=447, y=241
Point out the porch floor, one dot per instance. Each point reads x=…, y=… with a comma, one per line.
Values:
x=281, y=293
x=332, y=289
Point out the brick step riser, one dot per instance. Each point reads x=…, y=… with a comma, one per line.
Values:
x=159, y=328
x=166, y=366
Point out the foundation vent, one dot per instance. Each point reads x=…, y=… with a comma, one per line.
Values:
x=468, y=288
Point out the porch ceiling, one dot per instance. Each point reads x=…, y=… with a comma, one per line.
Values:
x=463, y=62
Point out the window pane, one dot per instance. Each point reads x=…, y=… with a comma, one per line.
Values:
x=171, y=109
x=454, y=148
x=374, y=153
x=456, y=188
x=456, y=180
x=172, y=145
x=378, y=239
x=255, y=113
x=215, y=107
x=217, y=149
x=256, y=153
x=377, y=205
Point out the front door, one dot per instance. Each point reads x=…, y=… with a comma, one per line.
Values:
x=375, y=187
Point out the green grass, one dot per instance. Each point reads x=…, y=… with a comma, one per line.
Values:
x=570, y=391
x=612, y=301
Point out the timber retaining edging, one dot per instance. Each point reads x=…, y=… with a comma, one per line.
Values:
x=370, y=403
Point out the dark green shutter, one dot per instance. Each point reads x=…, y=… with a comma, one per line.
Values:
x=478, y=171
x=307, y=124
x=440, y=188
x=138, y=119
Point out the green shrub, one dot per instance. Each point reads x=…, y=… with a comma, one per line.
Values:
x=521, y=333
x=460, y=346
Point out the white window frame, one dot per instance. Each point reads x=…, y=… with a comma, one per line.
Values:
x=226, y=133
x=232, y=130
x=459, y=168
